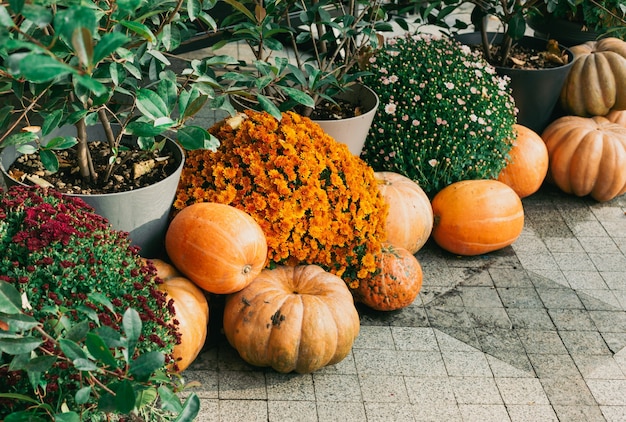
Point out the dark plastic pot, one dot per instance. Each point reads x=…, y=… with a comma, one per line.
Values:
x=536, y=92
x=565, y=32
x=143, y=213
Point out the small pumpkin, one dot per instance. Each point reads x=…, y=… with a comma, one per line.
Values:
x=395, y=284
x=527, y=165
x=587, y=156
x=191, y=310
x=410, y=217
x=292, y=319
x=474, y=217
x=596, y=83
x=219, y=247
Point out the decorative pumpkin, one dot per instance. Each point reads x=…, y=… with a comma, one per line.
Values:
x=474, y=217
x=527, y=166
x=596, y=83
x=617, y=116
x=292, y=319
x=397, y=282
x=587, y=156
x=219, y=247
x=192, y=313
x=410, y=217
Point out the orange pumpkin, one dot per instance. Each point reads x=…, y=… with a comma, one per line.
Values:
x=587, y=156
x=397, y=282
x=219, y=247
x=474, y=217
x=410, y=217
x=192, y=313
x=617, y=116
x=527, y=165
x=292, y=319
x=596, y=82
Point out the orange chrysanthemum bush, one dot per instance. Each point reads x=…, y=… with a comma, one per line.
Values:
x=315, y=201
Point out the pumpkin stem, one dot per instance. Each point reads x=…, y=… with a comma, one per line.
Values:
x=246, y=269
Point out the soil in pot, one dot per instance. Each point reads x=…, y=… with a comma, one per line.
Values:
x=133, y=169
x=524, y=57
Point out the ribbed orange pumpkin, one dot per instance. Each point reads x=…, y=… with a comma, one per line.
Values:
x=397, y=282
x=474, y=217
x=410, y=217
x=528, y=163
x=596, y=82
x=617, y=116
x=219, y=247
x=192, y=313
x=587, y=156
x=292, y=319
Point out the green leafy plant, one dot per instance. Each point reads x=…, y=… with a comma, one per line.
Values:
x=67, y=351
x=67, y=62
x=326, y=40
x=608, y=16
x=444, y=113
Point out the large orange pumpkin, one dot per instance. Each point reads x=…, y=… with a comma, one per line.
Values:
x=410, y=217
x=192, y=313
x=396, y=283
x=474, y=217
x=617, y=116
x=527, y=165
x=292, y=319
x=219, y=247
x=587, y=156
x=596, y=82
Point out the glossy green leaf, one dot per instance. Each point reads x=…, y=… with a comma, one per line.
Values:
x=61, y=142
x=51, y=121
x=140, y=29
x=193, y=8
x=195, y=106
x=169, y=401
x=110, y=336
x=82, y=43
x=39, y=68
x=38, y=14
x=94, y=86
x=67, y=417
x=195, y=137
x=132, y=328
x=18, y=322
x=49, y=160
x=66, y=21
x=72, y=350
x=242, y=8
x=108, y=44
x=20, y=138
x=166, y=89
x=78, y=331
x=10, y=299
x=82, y=395
x=128, y=5
x=299, y=96
x=124, y=397
x=41, y=363
x=191, y=408
x=27, y=149
x=18, y=346
x=145, y=365
x=150, y=104
x=85, y=365
x=267, y=105
x=99, y=350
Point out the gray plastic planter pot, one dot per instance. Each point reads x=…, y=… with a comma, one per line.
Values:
x=143, y=213
x=536, y=91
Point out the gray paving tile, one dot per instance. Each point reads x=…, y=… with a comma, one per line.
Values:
x=571, y=319
x=291, y=410
x=567, y=391
x=553, y=365
x=583, y=280
x=410, y=338
x=425, y=390
x=436, y=412
x=289, y=386
x=571, y=261
x=520, y=297
x=579, y=413
x=548, y=278
x=521, y=391
x=608, y=392
x=511, y=365
x=209, y=410
x=337, y=387
x=609, y=321
x=494, y=340
x=204, y=383
x=616, y=280
x=608, y=262
x=475, y=390
x=243, y=410
x=418, y=363
x=547, y=342
x=383, y=388
x=531, y=412
x=483, y=413
x=394, y=412
x=599, y=244
x=242, y=385
x=601, y=300
x=334, y=411
x=614, y=413
x=375, y=361
x=584, y=342
x=559, y=298
x=530, y=318
x=510, y=278
x=374, y=337
x=598, y=367
x=466, y=364
x=345, y=367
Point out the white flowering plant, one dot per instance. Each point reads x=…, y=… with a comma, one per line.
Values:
x=444, y=113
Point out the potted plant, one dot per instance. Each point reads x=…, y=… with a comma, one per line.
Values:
x=574, y=22
x=528, y=61
x=104, y=66
x=86, y=331
x=327, y=42
x=445, y=114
